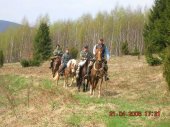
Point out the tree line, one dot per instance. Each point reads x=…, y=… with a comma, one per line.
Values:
x=116, y=27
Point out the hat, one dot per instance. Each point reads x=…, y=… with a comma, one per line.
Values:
x=57, y=45
x=86, y=46
x=101, y=39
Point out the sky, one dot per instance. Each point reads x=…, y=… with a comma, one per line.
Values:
x=16, y=10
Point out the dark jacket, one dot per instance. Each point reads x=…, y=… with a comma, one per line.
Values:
x=65, y=58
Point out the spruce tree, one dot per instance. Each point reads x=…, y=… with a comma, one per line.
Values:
x=157, y=36
x=1, y=58
x=167, y=66
x=42, y=43
x=157, y=31
x=124, y=48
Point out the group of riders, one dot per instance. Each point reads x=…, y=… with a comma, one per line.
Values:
x=85, y=55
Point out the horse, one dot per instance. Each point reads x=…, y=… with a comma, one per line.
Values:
x=55, y=65
x=70, y=71
x=82, y=79
x=97, y=73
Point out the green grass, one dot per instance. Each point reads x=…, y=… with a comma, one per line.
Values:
x=46, y=84
x=13, y=83
x=80, y=113
x=101, y=113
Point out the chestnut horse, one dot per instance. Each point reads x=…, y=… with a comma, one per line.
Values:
x=97, y=73
x=70, y=71
x=55, y=65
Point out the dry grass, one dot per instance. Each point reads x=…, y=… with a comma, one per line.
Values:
x=133, y=86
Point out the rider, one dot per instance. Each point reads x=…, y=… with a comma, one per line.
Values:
x=57, y=52
x=64, y=60
x=105, y=55
x=84, y=56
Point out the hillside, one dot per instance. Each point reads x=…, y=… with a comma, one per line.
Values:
x=4, y=25
x=29, y=97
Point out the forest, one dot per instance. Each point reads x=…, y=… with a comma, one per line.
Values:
x=116, y=27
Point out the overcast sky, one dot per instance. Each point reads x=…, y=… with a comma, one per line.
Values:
x=15, y=10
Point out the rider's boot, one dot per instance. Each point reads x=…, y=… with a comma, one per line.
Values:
x=106, y=77
x=105, y=66
x=88, y=73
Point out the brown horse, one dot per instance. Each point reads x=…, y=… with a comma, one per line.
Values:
x=82, y=80
x=55, y=64
x=97, y=73
x=70, y=71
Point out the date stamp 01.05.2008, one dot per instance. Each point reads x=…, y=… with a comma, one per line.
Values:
x=135, y=113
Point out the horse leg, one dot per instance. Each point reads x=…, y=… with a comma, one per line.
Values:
x=84, y=87
x=91, y=85
x=56, y=78
x=72, y=80
x=94, y=85
x=78, y=83
x=100, y=85
x=87, y=84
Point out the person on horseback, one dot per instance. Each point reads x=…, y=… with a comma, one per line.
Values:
x=84, y=56
x=64, y=60
x=105, y=56
x=57, y=52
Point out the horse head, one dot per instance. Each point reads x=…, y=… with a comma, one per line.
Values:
x=98, y=54
x=72, y=64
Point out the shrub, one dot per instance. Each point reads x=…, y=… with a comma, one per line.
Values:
x=124, y=48
x=1, y=58
x=24, y=63
x=74, y=52
x=153, y=61
x=28, y=63
x=167, y=66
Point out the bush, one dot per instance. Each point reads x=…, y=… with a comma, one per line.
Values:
x=28, y=63
x=74, y=52
x=124, y=48
x=152, y=61
x=1, y=58
x=167, y=66
x=24, y=63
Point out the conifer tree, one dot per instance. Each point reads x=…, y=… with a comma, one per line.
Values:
x=1, y=58
x=42, y=43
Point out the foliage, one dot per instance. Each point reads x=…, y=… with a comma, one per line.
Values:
x=74, y=52
x=156, y=30
x=24, y=63
x=125, y=49
x=28, y=63
x=115, y=27
x=167, y=66
x=153, y=61
x=1, y=58
x=42, y=43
